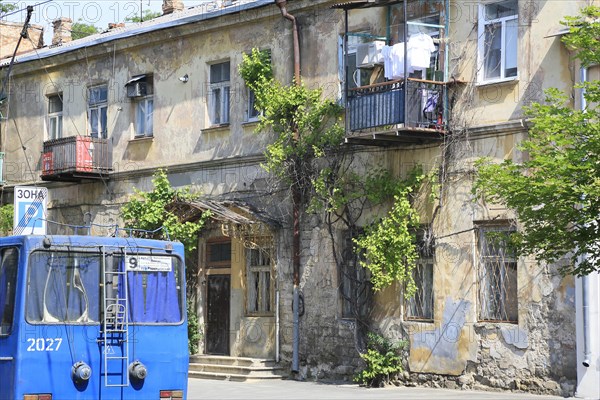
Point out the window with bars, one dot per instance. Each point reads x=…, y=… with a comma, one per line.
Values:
x=354, y=285
x=497, y=40
x=497, y=274
x=98, y=111
x=219, y=93
x=55, y=116
x=258, y=276
x=420, y=306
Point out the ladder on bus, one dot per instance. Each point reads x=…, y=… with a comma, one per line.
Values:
x=115, y=335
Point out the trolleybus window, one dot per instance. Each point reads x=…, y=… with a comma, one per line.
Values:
x=67, y=287
x=9, y=258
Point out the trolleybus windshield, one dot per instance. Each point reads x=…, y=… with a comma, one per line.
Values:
x=67, y=287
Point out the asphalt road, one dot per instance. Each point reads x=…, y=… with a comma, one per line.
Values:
x=290, y=390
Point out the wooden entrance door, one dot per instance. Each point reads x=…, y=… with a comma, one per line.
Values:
x=217, y=329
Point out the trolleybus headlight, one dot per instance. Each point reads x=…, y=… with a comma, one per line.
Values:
x=137, y=370
x=81, y=372
x=46, y=396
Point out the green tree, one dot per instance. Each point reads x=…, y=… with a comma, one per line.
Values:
x=146, y=16
x=81, y=29
x=6, y=219
x=555, y=191
x=7, y=7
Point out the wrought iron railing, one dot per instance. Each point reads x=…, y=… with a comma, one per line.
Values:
x=76, y=155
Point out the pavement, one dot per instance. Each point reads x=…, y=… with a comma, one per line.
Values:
x=291, y=390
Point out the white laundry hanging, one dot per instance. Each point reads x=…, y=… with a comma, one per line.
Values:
x=393, y=61
x=420, y=46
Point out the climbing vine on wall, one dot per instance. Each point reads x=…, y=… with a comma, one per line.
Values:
x=6, y=219
x=147, y=212
x=308, y=152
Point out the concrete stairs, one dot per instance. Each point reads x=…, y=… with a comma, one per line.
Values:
x=233, y=368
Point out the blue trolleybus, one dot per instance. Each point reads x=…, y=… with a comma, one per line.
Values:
x=84, y=317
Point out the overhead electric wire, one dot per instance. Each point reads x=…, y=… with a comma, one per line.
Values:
x=24, y=9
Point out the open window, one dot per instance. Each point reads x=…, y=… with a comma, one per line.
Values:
x=140, y=90
x=497, y=41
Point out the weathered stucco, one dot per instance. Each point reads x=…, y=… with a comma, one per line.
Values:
x=454, y=349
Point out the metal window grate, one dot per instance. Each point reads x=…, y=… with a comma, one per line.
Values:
x=497, y=273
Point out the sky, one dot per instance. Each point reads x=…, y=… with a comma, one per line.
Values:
x=98, y=13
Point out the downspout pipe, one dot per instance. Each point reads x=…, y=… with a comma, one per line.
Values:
x=296, y=199
x=585, y=281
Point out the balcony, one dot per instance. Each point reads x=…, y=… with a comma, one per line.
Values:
x=75, y=158
x=395, y=74
x=378, y=114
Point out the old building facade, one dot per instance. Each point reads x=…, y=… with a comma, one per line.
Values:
x=93, y=118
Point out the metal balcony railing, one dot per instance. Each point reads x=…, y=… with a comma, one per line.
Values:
x=382, y=105
x=76, y=157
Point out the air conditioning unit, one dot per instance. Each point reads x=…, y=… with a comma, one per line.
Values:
x=369, y=54
x=137, y=89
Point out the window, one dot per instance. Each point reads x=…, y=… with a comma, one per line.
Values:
x=144, y=112
x=497, y=37
x=420, y=306
x=219, y=254
x=497, y=274
x=55, y=116
x=354, y=285
x=219, y=93
x=9, y=263
x=259, y=281
x=97, y=111
x=65, y=287
x=252, y=112
x=354, y=76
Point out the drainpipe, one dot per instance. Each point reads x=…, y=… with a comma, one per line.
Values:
x=585, y=281
x=296, y=199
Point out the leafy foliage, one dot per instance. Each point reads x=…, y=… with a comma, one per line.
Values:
x=384, y=361
x=7, y=7
x=146, y=16
x=390, y=243
x=81, y=29
x=555, y=191
x=147, y=212
x=194, y=334
x=7, y=212
x=306, y=126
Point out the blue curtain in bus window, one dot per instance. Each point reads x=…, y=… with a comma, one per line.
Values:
x=156, y=301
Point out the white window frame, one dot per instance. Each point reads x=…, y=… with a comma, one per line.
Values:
x=100, y=108
x=55, y=119
x=252, y=113
x=259, y=279
x=144, y=107
x=219, y=104
x=482, y=25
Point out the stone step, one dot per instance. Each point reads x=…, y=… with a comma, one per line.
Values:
x=226, y=360
x=231, y=377
x=233, y=368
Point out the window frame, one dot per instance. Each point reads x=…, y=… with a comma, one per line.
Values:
x=264, y=307
x=482, y=28
x=423, y=265
x=56, y=116
x=493, y=306
x=224, y=102
x=357, y=286
x=145, y=101
x=101, y=108
x=11, y=296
